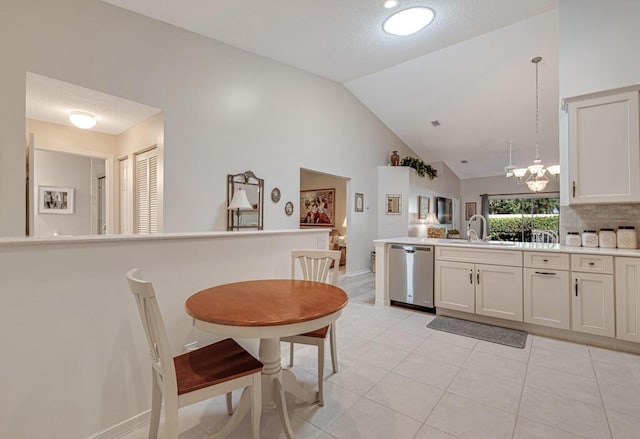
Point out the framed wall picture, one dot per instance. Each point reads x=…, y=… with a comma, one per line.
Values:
x=359, y=202
x=393, y=204
x=288, y=208
x=317, y=207
x=275, y=194
x=469, y=210
x=423, y=206
x=52, y=199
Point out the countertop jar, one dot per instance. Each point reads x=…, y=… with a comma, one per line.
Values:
x=573, y=239
x=607, y=238
x=627, y=237
x=589, y=238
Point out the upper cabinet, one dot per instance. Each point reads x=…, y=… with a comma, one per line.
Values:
x=604, y=147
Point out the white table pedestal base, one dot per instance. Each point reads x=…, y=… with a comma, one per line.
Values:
x=275, y=382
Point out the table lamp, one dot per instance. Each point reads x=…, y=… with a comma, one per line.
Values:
x=431, y=220
x=239, y=201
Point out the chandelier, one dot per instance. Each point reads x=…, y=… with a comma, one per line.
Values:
x=536, y=176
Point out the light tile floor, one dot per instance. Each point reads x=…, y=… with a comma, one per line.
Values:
x=398, y=379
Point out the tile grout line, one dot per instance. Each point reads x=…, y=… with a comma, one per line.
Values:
x=444, y=392
x=604, y=407
x=524, y=380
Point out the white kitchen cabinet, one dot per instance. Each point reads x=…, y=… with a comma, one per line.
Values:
x=499, y=291
x=604, y=147
x=490, y=290
x=454, y=285
x=628, y=299
x=593, y=305
x=547, y=297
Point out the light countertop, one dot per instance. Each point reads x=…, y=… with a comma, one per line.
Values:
x=523, y=246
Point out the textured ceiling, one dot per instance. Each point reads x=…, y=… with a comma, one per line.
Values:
x=482, y=91
x=470, y=69
x=337, y=39
x=52, y=101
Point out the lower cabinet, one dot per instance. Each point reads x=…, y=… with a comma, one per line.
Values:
x=592, y=304
x=546, y=298
x=628, y=299
x=489, y=290
x=454, y=285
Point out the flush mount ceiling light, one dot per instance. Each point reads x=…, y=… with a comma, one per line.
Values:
x=535, y=175
x=408, y=21
x=390, y=4
x=82, y=120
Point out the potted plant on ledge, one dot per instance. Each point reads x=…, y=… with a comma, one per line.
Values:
x=421, y=167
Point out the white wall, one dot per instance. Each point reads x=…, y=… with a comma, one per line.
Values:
x=74, y=354
x=406, y=182
x=54, y=168
x=225, y=111
x=599, y=46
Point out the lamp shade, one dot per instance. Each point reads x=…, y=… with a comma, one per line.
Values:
x=240, y=200
x=431, y=219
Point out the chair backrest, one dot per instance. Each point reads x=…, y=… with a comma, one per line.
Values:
x=161, y=357
x=544, y=236
x=315, y=265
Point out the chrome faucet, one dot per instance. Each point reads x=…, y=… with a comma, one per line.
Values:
x=471, y=232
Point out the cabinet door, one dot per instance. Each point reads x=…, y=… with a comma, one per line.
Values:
x=546, y=297
x=499, y=291
x=454, y=285
x=604, y=150
x=592, y=305
x=628, y=299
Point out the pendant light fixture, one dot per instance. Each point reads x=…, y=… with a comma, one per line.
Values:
x=534, y=175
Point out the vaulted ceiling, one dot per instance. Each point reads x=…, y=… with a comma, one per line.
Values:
x=470, y=69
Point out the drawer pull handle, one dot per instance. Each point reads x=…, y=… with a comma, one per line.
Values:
x=576, y=287
x=478, y=277
x=471, y=276
x=545, y=273
x=591, y=264
x=545, y=260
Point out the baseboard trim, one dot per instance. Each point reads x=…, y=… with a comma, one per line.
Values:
x=125, y=427
x=357, y=273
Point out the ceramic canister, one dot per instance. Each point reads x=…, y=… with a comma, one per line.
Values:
x=573, y=239
x=589, y=238
x=627, y=237
x=607, y=238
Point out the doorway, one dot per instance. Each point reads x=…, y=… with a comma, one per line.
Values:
x=323, y=203
x=83, y=179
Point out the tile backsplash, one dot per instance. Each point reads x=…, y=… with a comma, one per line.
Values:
x=597, y=216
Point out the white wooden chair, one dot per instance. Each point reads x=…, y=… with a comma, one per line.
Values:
x=210, y=371
x=315, y=265
x=544, y=236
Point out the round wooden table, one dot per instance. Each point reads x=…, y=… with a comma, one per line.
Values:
x=268, y=310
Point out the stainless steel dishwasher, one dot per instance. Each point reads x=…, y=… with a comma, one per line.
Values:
x=411, y=275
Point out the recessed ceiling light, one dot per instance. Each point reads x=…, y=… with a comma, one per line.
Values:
x=408, y=21
x=390, y=4
x=82, y=120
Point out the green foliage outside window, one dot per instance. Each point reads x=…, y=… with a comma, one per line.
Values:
x=518, y=229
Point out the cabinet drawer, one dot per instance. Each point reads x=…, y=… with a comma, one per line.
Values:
x=592, y=263
x=556, y=261
x=482, y=256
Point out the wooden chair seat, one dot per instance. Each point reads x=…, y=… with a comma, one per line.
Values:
x=213, y=364
x=213, y=370
x=318, y=333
